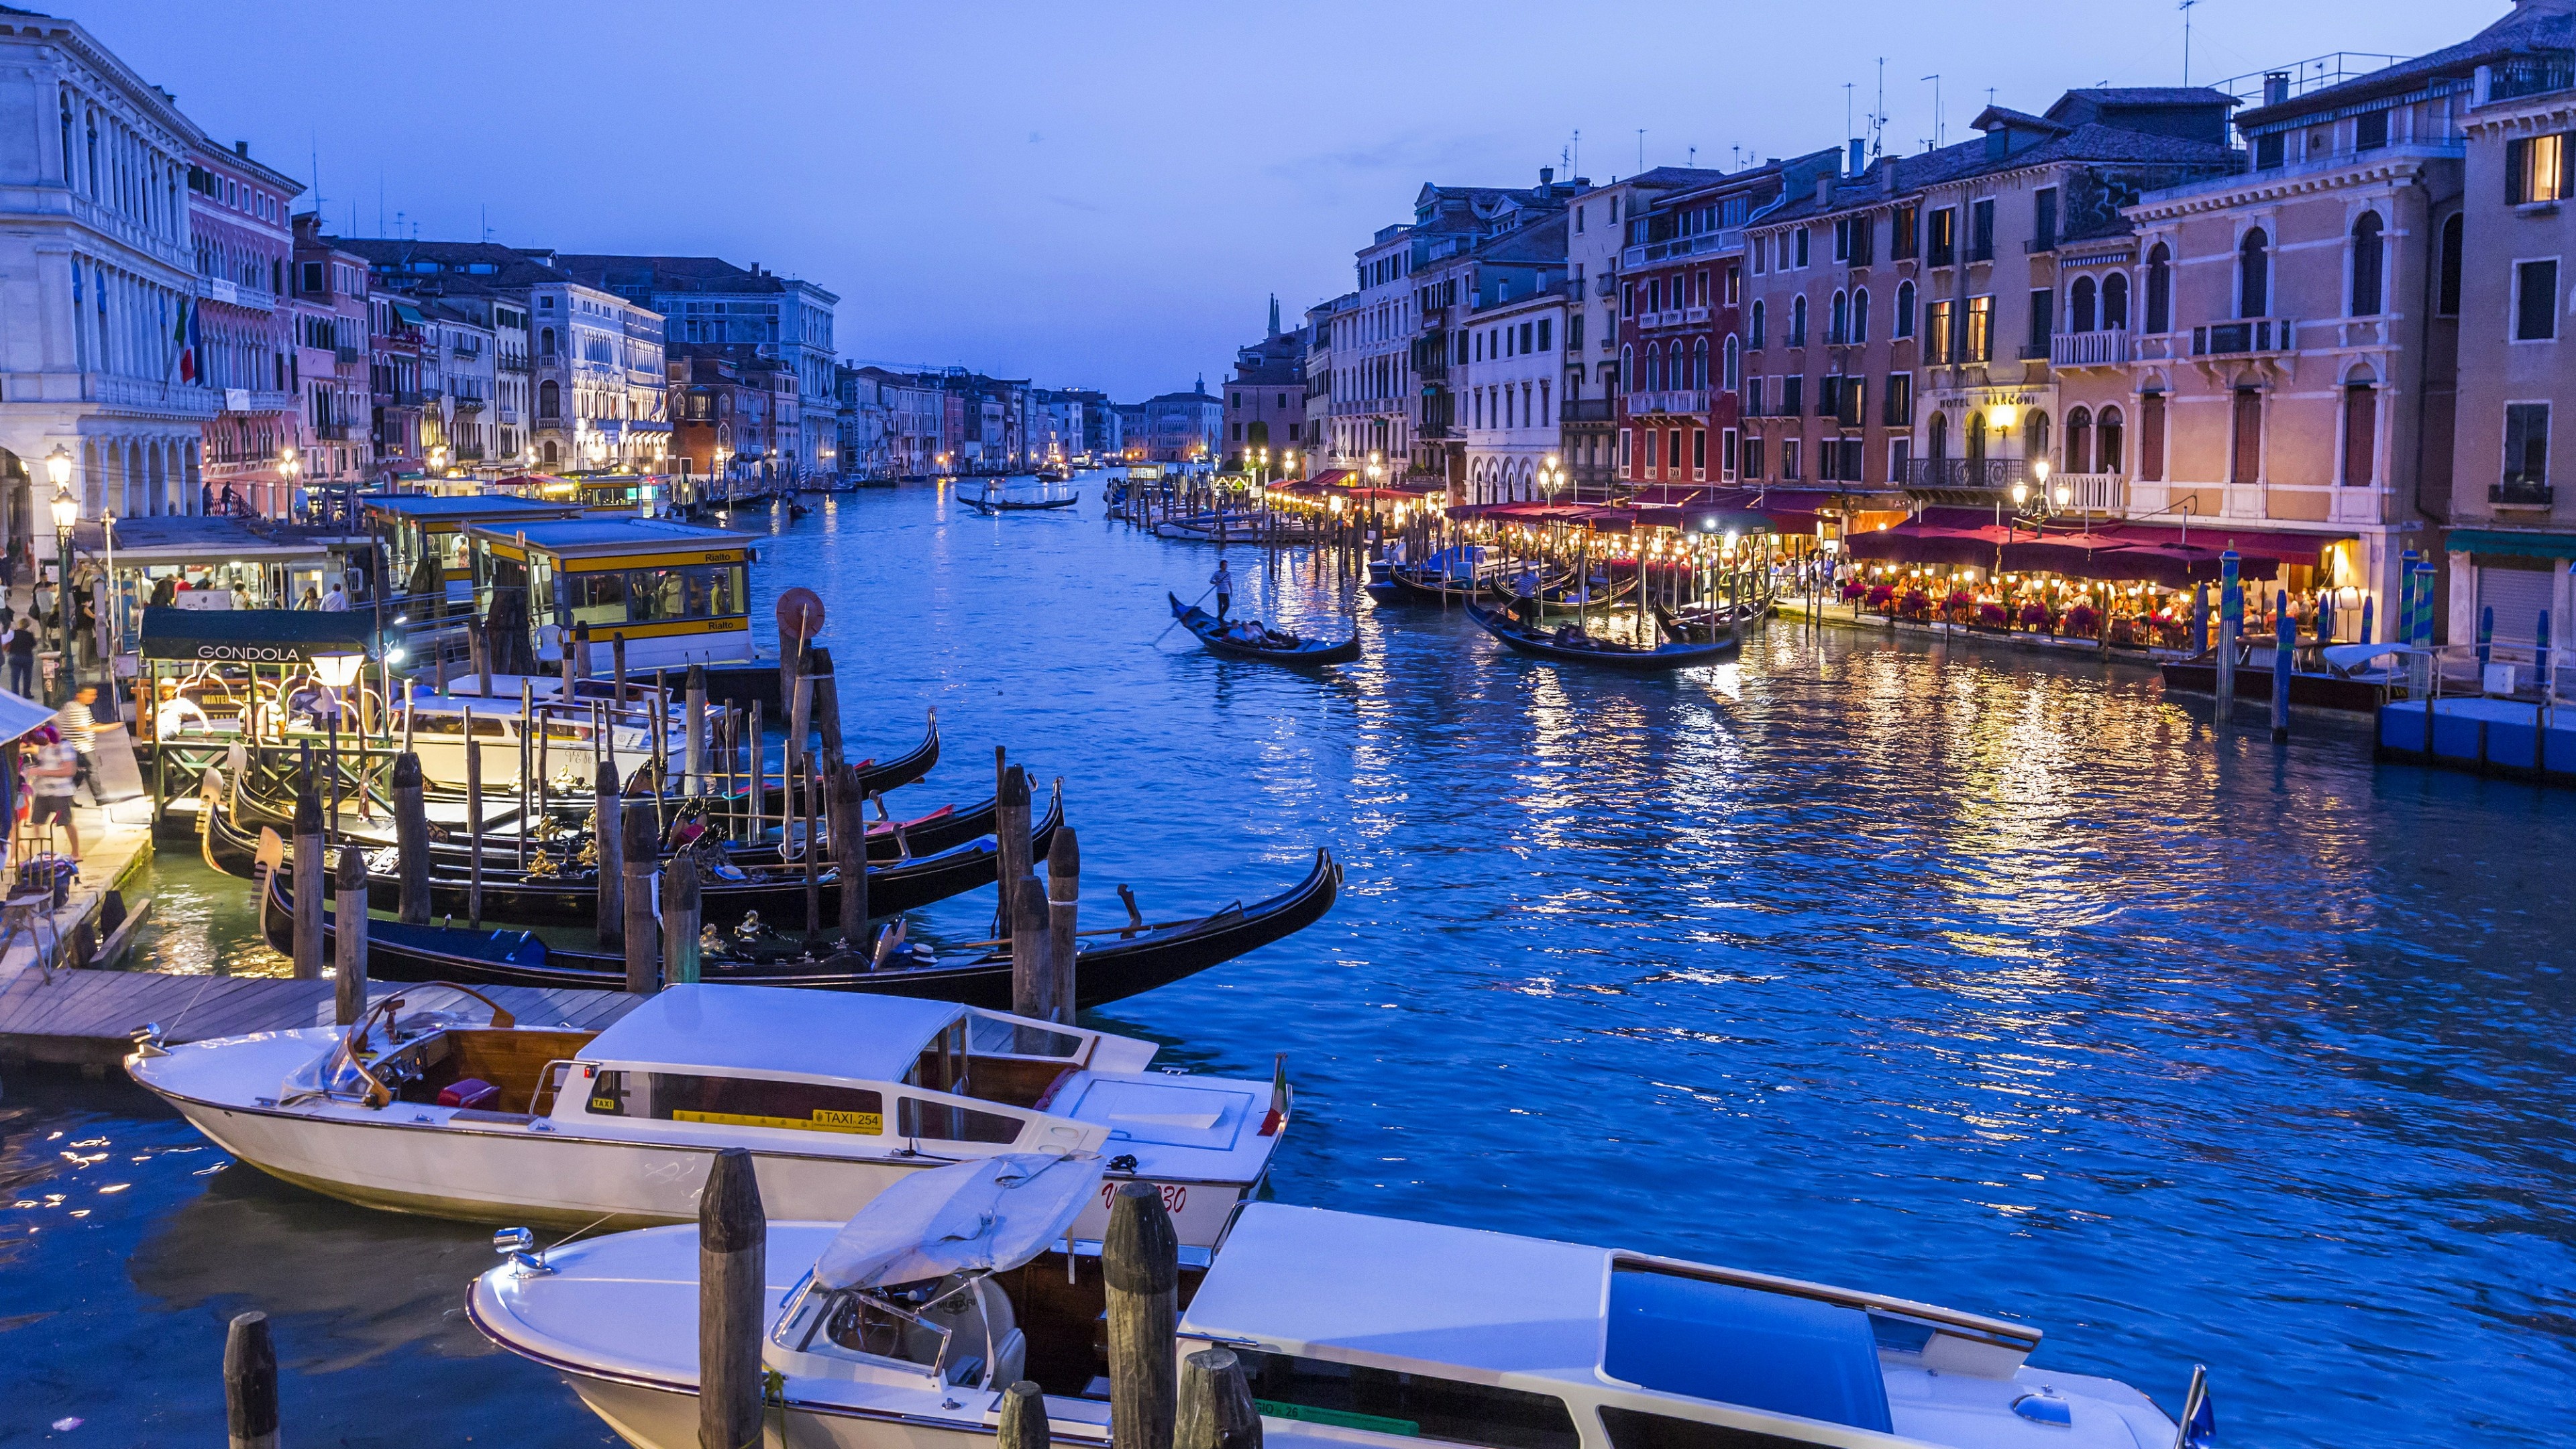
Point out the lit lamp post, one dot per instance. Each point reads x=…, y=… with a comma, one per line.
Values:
x=115, y=595
x=289, y=468
x=66, y=513
x=336, y=670
x=1551, y=476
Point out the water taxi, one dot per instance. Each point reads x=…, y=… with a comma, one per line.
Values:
x=677, y=593
x=1352, y=1330
x=837, y=1096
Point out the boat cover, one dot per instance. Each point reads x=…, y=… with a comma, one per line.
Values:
x=991, y=1214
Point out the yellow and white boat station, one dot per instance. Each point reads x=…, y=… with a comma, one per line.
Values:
x=677, y=593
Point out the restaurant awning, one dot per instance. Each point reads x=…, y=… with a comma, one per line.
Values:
x=255, y=636
x=19, y=714
x=2510, y=544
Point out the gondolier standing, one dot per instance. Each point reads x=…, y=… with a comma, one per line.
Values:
x=1223, y=582
x=1525, y=595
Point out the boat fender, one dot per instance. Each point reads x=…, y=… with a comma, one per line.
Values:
x=728, y=872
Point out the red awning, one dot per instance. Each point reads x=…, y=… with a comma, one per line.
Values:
x=2271, y=545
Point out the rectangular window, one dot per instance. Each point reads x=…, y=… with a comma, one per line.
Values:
x=1623, y=448
x=2535, y=302
x=1752, y=456
x=1829, y=392
x=1899, y=412
x=1734, y=285
x=1842, y=239
x=1900, y=456
x=1802, y=246
x=949, y=1122
x=2151, y=437
x=2526, y=445
x=1904, y=232
x=1981, y=231
x=1753, y=396
x=738, y=1102
x=1792, y=395
x=2043, y=308
x=1673, y=460
x=1789, y=460
x=2270, y=151
x=2360, y=434
x=2535, y=169
x=1938, y=332
x=2245, y=438
x=1726, y=451
x=2043, y=219
x=1573, y=332
x=1944, y=242
x=1699, y=452
x=598, y=598
x=1864, y=233
x=2370, y=130
x=1980, y=339
x=1546, y=331
x=1406, y=1405
x=1528, y=329
x=1854, y=411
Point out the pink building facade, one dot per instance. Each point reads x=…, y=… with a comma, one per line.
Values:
x=239, y=222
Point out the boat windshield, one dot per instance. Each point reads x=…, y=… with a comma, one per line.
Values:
x=993, y=1036
x=1678, y=1334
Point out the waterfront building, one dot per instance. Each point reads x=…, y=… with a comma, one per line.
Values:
x=1681, y=296
x=395, y=326
x=483, y=286
x=1322, y=321
x=1178, y=427
x=1058, y=421
x=2498, y=275
x=1596, y=236
x=97, y=273
x=1504, y=348
x=460, y=378
x=330, y=286
x=242, y=237
x=1099, y=433
x=1265, y=399
x=711, y=301
x=599, y=378
x=1372, y=410
x=1470, y=247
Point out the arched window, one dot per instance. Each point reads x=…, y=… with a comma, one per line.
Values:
x=1936, y=439
x=1734, y=366
x=2160, y=289
x=2369, y=251
x=546, y=342
x=1840, y=329
x=1976, y=442
x=1860, y=315
x=1628, y=370
x=2446, y=300
x=549, y=398
x=1699, y=364
x=2035, y=434
x=2254, y=274
x=1798, y=321
x=1758, y=320
x=551, y=459
x=2115, y=302
x=1904, y=309
x=2079, y=306
x=2106, y=443
x=1654, y=369
x=2079, y=441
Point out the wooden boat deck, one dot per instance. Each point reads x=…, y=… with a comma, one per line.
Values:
x=86, y=1018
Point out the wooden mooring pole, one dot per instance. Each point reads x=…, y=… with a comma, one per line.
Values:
x=849, y=828
x=1011, y=834
x=1064, y=896
x=694, y=764
x=349, y=938
x=1140, y=1264
x=474, y=818
x=640, y=858
x=733, y=1251
x=250, y=1384
x=608, y=840
x=411, y=839
x=309, y=868
x=681, y=909
x=1216, y=1409
x=1024, y=1418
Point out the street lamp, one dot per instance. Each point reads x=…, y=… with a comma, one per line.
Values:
x=66, y=513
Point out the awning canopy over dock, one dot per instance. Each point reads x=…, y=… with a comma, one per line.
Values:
x=256, y=636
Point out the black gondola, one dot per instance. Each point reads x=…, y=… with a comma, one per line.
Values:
x=1290, y=649
x=1708, y=626
x=779, y=895
x=1544, y=645
x=1108, y=971
x=990, y=502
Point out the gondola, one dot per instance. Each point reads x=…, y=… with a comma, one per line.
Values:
x=1715, y=626
x=1105, y=970
x=1558, y=597
x=1543, y=645
x=1293, y=651
x=776, y=892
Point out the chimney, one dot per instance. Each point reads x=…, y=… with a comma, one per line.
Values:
x=1856, y=160
x=1546, y=177
x=2276, y=87
x=241, y=148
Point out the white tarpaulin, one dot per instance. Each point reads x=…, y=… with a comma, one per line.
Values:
x=993, y=1213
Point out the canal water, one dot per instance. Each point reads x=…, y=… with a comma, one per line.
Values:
x=1968, y=975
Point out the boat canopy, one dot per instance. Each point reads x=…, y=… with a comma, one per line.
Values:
x=765, y=1030
x=989, y=1215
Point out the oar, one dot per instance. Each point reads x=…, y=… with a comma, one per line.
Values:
x=1176, y=619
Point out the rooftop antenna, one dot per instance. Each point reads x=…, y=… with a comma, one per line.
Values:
x=1690, y=156
x=1641, y=148
x=1847, y=109
x=1938, y=134
x=1575, y=165
x=2185, y=8
x=487, y=224
x=1878, y=119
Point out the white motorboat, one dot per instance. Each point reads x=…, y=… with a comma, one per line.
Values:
x=1351, y=1330
x=838, y=1096
x=433, y=727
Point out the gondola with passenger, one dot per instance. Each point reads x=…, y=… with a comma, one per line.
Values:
x=1572, y=645
x=1250, y=640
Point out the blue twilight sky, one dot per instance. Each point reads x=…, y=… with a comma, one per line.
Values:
x=1101, y=195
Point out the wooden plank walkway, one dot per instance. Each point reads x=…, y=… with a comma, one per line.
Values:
x=87, y=1018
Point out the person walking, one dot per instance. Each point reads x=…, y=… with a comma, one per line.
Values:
x=1223, y=582
x=21, y=649
x=79, y=726
x=50, y=786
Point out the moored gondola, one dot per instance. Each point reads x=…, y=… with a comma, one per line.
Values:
x=1707, y=626
x=1564, y=648
x=991, y=502
x=1105, y=970
x=1275, y=648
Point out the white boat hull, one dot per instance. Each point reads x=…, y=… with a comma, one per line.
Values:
x=420, y=1159
x=665, y=1419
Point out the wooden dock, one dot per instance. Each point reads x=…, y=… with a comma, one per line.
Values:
x=86, y=1018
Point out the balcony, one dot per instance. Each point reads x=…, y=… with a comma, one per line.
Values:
x=2534, y=77
x=1586, y=410
x=1685, y=401
x=1965, y=475
x=2517, y=492
x=2252, y=336
x=181, y=399
x=1436, y=432
x=329, y=432
x=512, y=362
x=1707, y=243
x=2091, y=492
x=400, y=398
x=1606, y=285
x=466, y=403
x=1691, y=315
x=346, y=355
x=2088, y=349
x=234, y=294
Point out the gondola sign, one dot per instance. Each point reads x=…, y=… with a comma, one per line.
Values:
x=800, y=615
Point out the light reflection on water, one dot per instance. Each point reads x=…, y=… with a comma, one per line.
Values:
x=1983, y=978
